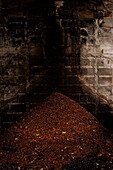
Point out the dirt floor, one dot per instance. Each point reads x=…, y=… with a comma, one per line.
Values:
x=57, y=134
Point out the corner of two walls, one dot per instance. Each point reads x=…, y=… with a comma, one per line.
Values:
x=84, y=68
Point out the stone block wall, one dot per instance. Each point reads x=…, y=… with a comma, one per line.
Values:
x=87, y=55
x=22, y=58
x=63, y=46
x=29, y=56
x=100, y=51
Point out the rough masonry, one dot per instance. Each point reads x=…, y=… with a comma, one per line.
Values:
x=63, y=46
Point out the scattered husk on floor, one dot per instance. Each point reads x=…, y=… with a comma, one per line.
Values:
x=57, y=134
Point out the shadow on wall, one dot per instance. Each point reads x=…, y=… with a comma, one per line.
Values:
x=51, y=76
x=98, y=105
x=94, y=102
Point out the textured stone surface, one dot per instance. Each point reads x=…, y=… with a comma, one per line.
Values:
x=90, y=40
x=63, y=46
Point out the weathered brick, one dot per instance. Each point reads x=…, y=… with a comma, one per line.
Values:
x=87, y=71
x=105, y=81
x=87, y=62
x=87, y=99
x=104, y=71
x=90, y=80
x=91, y=98
x=106, y=89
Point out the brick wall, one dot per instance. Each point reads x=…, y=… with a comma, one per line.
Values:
x=23, y=58
x=87, y=55
x=98, y=49
x=63, y=46
x=30, y=54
